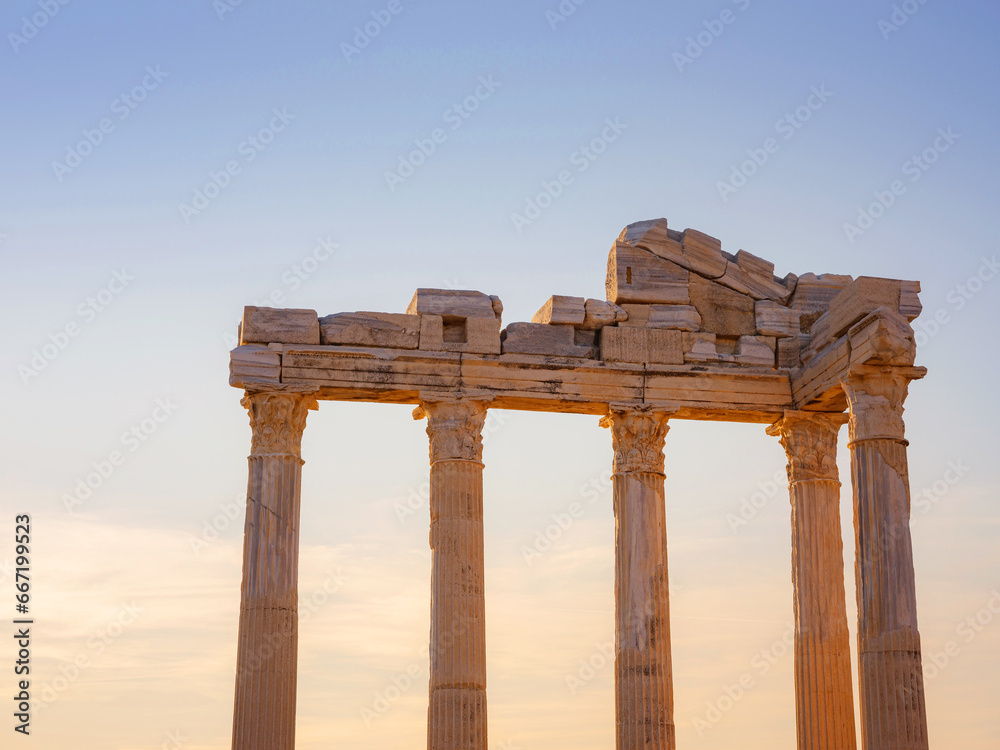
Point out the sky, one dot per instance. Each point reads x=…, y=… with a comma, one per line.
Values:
x=166, y=164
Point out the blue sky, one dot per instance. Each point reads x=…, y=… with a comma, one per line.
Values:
x=554, y=82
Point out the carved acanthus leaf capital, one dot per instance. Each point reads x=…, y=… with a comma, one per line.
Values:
x=638, y=434
x=875, y=398
x=277, y=420
x=454, y=426
x=810, y=443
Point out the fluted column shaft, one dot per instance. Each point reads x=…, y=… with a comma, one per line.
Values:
x=644, y=703
x=824, y=700
x=456, y=713
x=890, y=685
x=264, y=711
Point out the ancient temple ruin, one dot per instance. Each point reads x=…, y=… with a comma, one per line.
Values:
x=687, y=331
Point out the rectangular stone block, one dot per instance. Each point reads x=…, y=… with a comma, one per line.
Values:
x=456, y=334
x=813, y=293
x=723, y=310
x=675, y=317
x=859, y=298
x=690, y=249
x=266, y=325
x=699, y=347
x=909, y=300
x=540, y=338
x=641, y=345
x=598, y=313
x=788, y=353
x=636, y=275
x=755, y=350
x=561, y=310
x=776, y=320
x=456, y=302
x=254, y=363
x=747, y=278
x=389, y=330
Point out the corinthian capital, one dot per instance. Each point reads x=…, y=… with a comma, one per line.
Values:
x=810, y=442
x=277, y=420
x=638, y=434
x=454, y=426
x=875, y=398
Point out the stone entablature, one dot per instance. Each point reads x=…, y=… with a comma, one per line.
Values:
x=687, y=331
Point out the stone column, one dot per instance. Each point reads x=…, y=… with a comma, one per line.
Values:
x=824, y=700
x=890, y=684
x=456, y=713
x=644, y=702
x=264, y=712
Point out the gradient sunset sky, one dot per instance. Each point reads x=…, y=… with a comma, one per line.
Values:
x=340, y=169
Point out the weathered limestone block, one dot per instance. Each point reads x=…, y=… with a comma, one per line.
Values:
x=598, y=313
x=776, y=320
x=787, y=350
x=254, y=363
x=641, y=345
x=813, y=293
x=454, y=302
x=266, y=325
x=722, y=310
x=755, y=350
x=689, y=249
x=677, y=317
x=636, y=275
x=554, y=341
x=474, y=335
x=753, y=276
x=389, y=330
x=562, y=310
x=884, y=338
x=909, y=300
x=859, y=298
x=699, y=347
